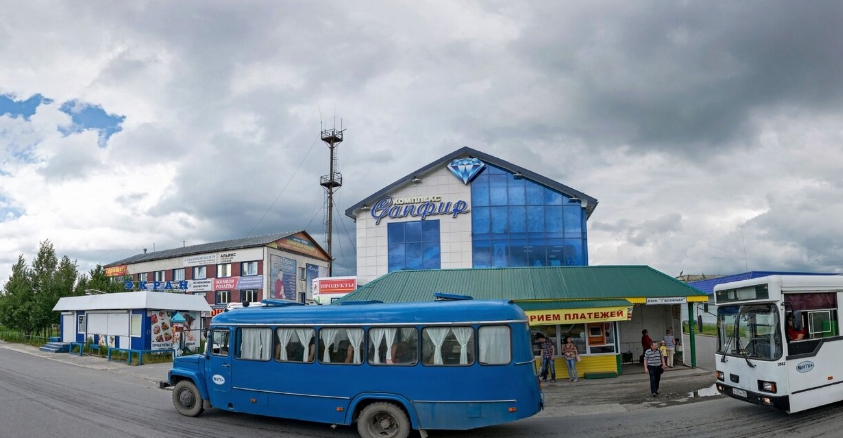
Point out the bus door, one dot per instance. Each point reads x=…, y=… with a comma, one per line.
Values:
x=219, y=362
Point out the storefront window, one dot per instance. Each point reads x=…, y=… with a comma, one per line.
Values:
x=577, y=332
x=414, y=245
x=592, y=338
x=517, y=222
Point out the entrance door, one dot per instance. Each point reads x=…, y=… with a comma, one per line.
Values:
x=68, y=328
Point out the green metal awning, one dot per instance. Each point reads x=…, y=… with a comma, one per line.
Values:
x=570, y=304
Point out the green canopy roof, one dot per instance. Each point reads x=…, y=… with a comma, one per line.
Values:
x=574, y=304
x=633, y=283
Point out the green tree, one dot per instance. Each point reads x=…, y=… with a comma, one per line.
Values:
x=98, y=281
x=18, y=298
x=44, y=286
x=51, y=280
x=81, y=286
x=101, y=282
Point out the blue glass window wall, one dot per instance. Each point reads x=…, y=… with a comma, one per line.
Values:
x=414, y=245
x=517, y=222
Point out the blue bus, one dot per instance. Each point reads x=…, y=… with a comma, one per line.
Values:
x=389, y=368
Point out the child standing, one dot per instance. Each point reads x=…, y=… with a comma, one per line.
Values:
x=663, y=350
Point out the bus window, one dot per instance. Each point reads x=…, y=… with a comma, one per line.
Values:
x=341, y=345
x=821, y=323
x=393, y=345
x=219, y=346
x=254, y=343
x=295, y=344
x=495, y=345
x=448, y=345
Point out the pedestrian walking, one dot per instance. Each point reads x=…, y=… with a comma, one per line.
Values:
x=670, y=345
x=569, y=350
x=548, y=354
x=654, y=366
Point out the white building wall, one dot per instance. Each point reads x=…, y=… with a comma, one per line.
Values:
x=455, y=233
x=242, y=255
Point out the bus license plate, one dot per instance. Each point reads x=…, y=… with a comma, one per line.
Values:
x=739, y=392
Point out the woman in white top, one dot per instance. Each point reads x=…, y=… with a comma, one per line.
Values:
x=670, y=343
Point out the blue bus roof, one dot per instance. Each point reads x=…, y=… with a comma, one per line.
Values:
x=423, y=312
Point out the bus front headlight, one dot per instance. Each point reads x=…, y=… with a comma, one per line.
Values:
x=767, y=386
x=720, y=376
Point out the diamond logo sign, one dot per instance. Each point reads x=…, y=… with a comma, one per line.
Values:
x=466, y=168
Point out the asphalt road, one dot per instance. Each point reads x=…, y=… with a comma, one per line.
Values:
x=45, y=395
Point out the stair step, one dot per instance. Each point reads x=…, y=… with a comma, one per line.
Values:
x=55, y=347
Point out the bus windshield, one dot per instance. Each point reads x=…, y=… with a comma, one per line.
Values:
x=750, y=331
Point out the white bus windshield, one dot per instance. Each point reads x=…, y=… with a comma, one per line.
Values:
x=750, y=331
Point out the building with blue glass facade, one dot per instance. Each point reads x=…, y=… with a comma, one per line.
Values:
x=470, y=210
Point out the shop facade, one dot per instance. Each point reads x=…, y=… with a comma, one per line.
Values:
x=469, y=209
x=140, y=321
x=603, y=308
x=275, y=266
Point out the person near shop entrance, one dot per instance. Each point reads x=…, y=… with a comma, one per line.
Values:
x=654, y=366
x=645, y=343
x=569, y=350
x=670, y=344
x=548, y=352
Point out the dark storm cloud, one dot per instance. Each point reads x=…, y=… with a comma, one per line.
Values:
x=685, y=75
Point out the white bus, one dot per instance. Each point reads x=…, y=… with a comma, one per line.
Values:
x=761, y=360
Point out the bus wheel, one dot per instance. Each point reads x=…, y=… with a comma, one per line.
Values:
x=383, y=420
x=186, y=399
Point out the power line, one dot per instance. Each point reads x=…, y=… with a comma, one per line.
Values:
x=283, y=189
x=347, y=234
x=316, y=213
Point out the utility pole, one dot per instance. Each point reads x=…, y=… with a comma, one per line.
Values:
x=331, y=182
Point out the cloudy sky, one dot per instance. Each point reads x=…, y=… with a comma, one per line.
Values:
x=710, y=132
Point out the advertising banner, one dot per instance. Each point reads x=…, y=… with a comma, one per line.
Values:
x=199, y=260
x=300, y=244
x=162, y=330
x=282, y=273
x=188, y=336
x=250, y=282
x=206, y=285
x=117, y=271
x=312, y=273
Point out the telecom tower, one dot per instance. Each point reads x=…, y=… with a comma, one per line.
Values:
x=331, y=182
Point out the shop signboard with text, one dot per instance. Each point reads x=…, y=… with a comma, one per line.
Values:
x=327, y=290
x=577, y=316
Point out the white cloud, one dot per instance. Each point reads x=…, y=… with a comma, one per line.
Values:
x=710, y=139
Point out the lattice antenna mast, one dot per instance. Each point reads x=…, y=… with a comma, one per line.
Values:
x=331, y=182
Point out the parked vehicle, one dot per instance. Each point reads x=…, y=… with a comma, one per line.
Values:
x=389, y=368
